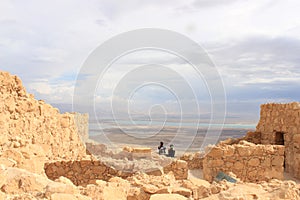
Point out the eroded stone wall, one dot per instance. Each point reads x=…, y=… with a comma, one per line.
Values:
x=179, y=169
x=280, y=124
x=194, y=160
x=33, y=131
x=81, y=172
x=87, y=171
x=248, y=161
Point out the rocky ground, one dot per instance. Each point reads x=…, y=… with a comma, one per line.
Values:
x=20, y=184
x=35, y=135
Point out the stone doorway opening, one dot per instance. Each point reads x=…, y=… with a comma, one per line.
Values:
x=279, y=138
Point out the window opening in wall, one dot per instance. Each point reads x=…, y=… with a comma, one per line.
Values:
x=279, y=138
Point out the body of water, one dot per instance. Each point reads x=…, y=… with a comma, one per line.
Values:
x=144, y=125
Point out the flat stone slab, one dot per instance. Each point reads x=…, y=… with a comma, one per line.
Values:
x=137, y=149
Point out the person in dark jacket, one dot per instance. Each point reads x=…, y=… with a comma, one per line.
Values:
x=161, y=149
x=171, y=151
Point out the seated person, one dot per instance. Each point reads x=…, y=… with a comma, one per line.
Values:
x=171, y=151
x=161, y=149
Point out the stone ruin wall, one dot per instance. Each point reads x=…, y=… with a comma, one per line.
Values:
x=280, y=124
x=179, y=169
x=32, y=131
x=104, y=164
x=248, y=161
x=87, y=171
x=81, y=172
x=194, y=160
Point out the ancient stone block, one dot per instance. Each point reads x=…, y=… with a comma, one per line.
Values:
x=254, y=162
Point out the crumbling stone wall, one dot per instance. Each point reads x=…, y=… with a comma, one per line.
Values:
x=179, y=169
x=280, y=124
x=248, y=161
x=33, y=131
x=81, y=172
x=87, y=171
x=253, y=137
x=194, y=160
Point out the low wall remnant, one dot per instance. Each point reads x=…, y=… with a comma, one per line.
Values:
x=248, y=161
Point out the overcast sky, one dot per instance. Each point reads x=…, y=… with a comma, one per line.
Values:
x=255, y=46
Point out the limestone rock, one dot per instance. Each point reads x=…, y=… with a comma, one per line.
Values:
x=194, y=160
x=179, y=168
x=138, y=152
x=60, y=196
x=182, y=191
x=28, y=124
x=167, y=196
x=56, y=187
x=22, y=181
x=137, y=194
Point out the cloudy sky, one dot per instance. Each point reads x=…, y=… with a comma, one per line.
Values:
x=255, y=46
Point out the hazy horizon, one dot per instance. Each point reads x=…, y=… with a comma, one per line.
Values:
x=238, y=117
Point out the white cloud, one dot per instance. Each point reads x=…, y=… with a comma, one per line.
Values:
x=254, y=43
